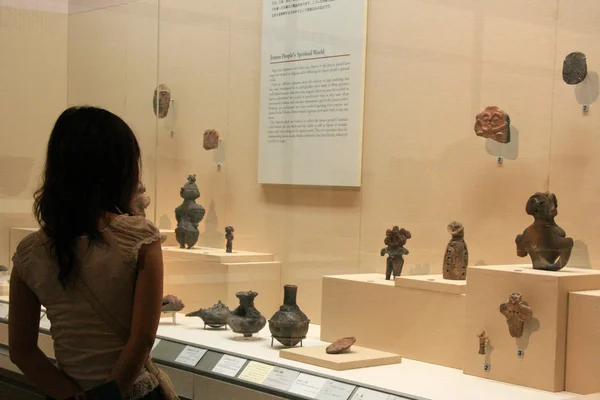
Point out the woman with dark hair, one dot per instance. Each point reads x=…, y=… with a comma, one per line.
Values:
x=88, y=240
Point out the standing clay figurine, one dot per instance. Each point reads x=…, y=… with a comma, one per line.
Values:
x=171, y=303
x=516, y=312
x=211, y=139
x=215, y=316
x=545, y=242
x=456, y=258
x=395, y=239
x=229, y=236
x=161, y=101
x=140, y=201
x=483, y=341
x=246, y=319
x=574, y=68
x=289, y=325
x=493, y=123
x=189, y=214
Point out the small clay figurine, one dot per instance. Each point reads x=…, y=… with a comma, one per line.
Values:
x=516, y=312
x=483, y=341
x=211, y=139
x=215, y=316
x=341, y=345
x=246, y=319
x=229, y=236
x=456, y=258
x=140, y=201
x=493, y=123
x=574, y=68
x=171, y=303
x=189, y=214
x=161, y=100
x=545, y=242
x=395, y=239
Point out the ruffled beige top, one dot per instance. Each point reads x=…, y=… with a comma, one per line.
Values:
x=85, y=347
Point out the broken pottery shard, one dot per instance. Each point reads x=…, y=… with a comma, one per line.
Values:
x=516, y=312
x=483, y=341
x=161, y=101
x=456, y=258
x=215, y=316
x=574, y=68
x=493, y=123
x=340, y=345
x=211, y=139
x=171, y=303
x=395, y=239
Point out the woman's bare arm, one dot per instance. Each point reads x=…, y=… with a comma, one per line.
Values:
x=23, y=325
x=147, y=305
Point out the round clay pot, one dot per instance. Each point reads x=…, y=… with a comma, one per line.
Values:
x=246, y=319
x=289, y=325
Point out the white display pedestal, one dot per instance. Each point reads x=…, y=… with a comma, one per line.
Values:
x=420, y=319
x=543, y=344
x=356, y=357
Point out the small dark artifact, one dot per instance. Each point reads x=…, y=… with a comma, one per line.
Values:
x=229, y=236
x=211, y=139
x=483, y=341
x=395, y=239
x=161, y=101
x=516, y=312
x=493, y=123
x=189, y=214
x=456, y=258
x=3, y=268
x=574, y=68
x=341, y=345
x=140, y=201
x=289, y=325
x=171, y=303
x=215, y=316
x=246, y=319
x=546, y=243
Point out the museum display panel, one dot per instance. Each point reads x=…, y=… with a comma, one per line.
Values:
x=356, y=199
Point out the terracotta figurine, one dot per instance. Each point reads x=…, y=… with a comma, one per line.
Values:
x=545, y=242
x=493, y=123
x=456, y=258
x=483, y=341
x=574, y=68
x=161, y=101
x=246, y=319
x=340, y=345
x=395, y=239
x=229, y=236
x=516, y=312
x=289, y=325
x=189, y=214
x=211, y=139
x=171, y=303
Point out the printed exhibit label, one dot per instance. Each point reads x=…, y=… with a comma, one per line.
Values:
x=229, y=365
x=4, y=310
x=256, y=372
x=190, y=356
x=281, y=378
x=156, y=342
x=335, y=391
x=44, y=321
x=368, y=394
x=308, y=385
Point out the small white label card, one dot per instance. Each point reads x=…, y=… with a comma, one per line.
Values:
x=156, y=342
x=256, y=372
x=190, y=356
x=368, y=394
x=308, y=385
x=335, y=391
x=44, y=321
x=229, y=365
x=281, y=378
x=4, y=310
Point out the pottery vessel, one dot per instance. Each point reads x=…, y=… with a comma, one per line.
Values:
x=395, y=239
x=188, y=214
x=574, y=68
x=215, y=316
x=246, y=319
x=516, y=312
x=456, y=257
x=171, y=303
x=289, y=325
x=493, y=123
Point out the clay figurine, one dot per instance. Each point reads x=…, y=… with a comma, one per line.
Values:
x=341, y=345
x=171, y=303
x=516, y=312
x=211, y=139
x=229, y=236
x=189, y=214
x=574, y=68
x=140, y=201
x=246, y=319
x=289, y=325
x=395, y=239
x=161, y=101
x=215, y=316
x=545, y=242
x=456, y=258
x=493, y=123
x=483, y=341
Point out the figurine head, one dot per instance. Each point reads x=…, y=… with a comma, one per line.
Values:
x=190, y=191
x=191, y=178
x=542, y=206
x=161, y=101
x=396, y=237
x=229, y=230
x=515, y=298
x=493, y=123
x=456, y=229
x=574, y=68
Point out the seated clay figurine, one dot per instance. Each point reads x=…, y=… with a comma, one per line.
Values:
x=545, y=242
x=493, y=123
x=395, y=239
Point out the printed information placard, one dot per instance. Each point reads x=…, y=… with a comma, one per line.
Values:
x=190, y=356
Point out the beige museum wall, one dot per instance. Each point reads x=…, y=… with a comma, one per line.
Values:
x=33, y=78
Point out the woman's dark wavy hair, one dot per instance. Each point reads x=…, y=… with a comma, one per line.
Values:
x=92, y=166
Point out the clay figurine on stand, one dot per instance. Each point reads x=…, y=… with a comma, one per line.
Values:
x=574, y=68
x=483, y=341
x=139, y=204
x=456, y=258
x=545, y=242
x=211, y=139
x=229, y=237
x=246, y=319
x=493, y=123
x=395, y=239
x=516, y=312
x=289, y=325
x=215, y=316
x=171, y=305
x=341, y=345
x=189, y=214
x=161, y=101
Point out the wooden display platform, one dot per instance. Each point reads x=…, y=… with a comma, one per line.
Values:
x=422, y=322
x=583, y=346
x=357, y=357
x=435, y=283
x=543, y=344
